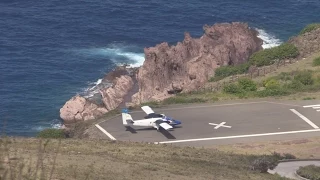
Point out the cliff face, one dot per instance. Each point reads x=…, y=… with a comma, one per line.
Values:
x=190, y=63
x=307, y=43
x=168, y=69
x=81, y=109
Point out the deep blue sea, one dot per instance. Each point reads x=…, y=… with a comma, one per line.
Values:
x=53, y=50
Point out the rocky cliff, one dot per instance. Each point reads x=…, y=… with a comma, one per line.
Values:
x=79, y=108
x=170, y=69
x=190, y=63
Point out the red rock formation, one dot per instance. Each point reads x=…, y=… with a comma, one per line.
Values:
x=190, y=63
x=113, y=96
x=80, y=109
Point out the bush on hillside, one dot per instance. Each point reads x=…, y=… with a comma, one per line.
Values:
x=284, y=76
x=269, y=56
x=295, y=85
x=311, y=172
x=225, y=71
x=309, y=28
x=272, y=92
x=183, y=100
x=51, y=133
x=232, y=89
x=316, y=61
x=272, y=84
x=305, y=77
x=247, y=84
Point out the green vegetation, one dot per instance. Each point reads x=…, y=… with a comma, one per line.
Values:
x=269, y=56
x=261, y=58
x=311, y=172
x=309, y=28
x=316, y=61
x=51, y=133
x=280, y=85
x=31, y=158
x=225, y=71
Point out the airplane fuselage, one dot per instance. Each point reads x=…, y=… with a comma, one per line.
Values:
x=151, y=122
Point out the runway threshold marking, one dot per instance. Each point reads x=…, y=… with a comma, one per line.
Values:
x=304, y=118
x=240, y=136
x=105, y=132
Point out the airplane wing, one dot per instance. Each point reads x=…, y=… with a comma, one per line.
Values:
x=164, y=125
x=147, y=109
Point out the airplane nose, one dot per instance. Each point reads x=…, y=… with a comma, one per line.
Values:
x=177, y=122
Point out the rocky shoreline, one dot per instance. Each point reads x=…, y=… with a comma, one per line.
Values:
x=167, y=69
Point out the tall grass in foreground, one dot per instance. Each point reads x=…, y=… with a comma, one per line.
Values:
x=15, y=166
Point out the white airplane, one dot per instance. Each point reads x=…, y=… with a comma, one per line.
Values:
x=154, y=120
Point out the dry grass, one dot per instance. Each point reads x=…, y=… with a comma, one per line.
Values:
x=100, y=159
x=307, y=148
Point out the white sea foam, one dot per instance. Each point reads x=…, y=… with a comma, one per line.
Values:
x=119, y=54
x=269, y=40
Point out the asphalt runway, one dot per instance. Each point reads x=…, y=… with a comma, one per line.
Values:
x=209, y=124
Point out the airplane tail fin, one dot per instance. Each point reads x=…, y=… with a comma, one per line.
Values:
x=126, y=118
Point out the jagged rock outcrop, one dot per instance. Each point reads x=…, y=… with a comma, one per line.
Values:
x=190, y=63
x=80, y=109
x=113, y=96
x=307, y=43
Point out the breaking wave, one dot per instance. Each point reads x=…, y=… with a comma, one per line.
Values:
x=117, y=53
x=269, y=40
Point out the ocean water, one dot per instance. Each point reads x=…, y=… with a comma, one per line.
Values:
x=53, y=50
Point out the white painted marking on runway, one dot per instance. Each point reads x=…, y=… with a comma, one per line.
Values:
x=318, y=110
x=105, y=132
x=312, y=105
x=240, y=136
x=219, y=125
x=305, y=119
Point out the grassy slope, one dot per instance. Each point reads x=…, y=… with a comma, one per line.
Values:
x=300, y=65
x=99, y=159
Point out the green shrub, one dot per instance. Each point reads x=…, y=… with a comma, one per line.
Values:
x=284, y=76
x=305, y=77
x=271, y=84
x=316, y=61
x=51, y=133
x=295, y=85
x=232, y=89
x=183, y=100
x=311, y=172
x=272, y=92
x=309, y=28
x=247, y=84
x=269, y=56
x=225, y=71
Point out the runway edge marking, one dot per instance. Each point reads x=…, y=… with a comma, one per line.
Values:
x=105, y=132
x=240, y=136
x=304, y=118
